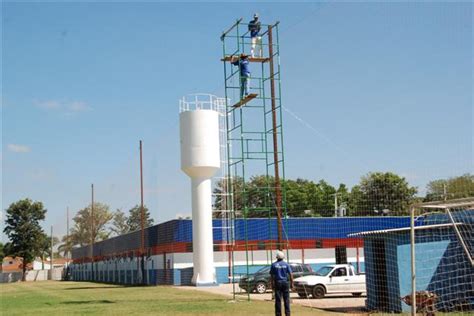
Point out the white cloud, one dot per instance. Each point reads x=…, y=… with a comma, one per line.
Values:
x=49, y=105
x=63, y=106
x=410, y=176
x=78, y=106
x=42, y=174
x=18, y=148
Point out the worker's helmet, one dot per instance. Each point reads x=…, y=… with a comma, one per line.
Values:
x=280, y=255
x=255, y=16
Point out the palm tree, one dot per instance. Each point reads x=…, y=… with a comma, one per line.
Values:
x=66, y=246
x=45, y=248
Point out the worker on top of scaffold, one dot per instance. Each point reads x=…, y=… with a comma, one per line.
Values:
x=256, y=39
x=244, y=70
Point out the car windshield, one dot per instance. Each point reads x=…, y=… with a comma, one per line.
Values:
x=264, y=270
x=324, y=271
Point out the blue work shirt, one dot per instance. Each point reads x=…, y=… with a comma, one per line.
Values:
x=280, y=270
x=254, y=28
x=243, y=67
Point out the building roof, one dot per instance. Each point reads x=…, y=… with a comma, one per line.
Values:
x=403, y=229
x=17, y=264
x=59, y=261
x=458, y=203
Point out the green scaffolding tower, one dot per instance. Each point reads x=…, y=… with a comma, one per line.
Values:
x=255, y=137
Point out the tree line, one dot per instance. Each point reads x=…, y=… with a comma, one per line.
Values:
x=377, y=193
x=27, y=239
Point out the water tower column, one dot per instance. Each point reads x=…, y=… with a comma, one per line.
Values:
x=203, y=250
x=200, y=160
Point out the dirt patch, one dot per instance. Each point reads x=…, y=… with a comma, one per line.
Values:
x=346, y=304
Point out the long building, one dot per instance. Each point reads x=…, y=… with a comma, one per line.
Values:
x=245, y=247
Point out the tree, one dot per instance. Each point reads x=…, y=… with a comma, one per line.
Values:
x=452, y=188
x=325, y=199
x=82, y=233
x=66, y=246
x=343, y=197
x=134, y=218
x=22, y=227
x=119, y=223
x=2, y=253
x=221, y=200
x=379, y=193
x=307, y=198
x=44, y=250
x=298, y=197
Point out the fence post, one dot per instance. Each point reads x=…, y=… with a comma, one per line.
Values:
x=412, y=261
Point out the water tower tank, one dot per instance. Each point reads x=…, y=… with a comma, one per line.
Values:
x=200, y=160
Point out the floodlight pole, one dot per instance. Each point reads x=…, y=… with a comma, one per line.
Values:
x=142, y=217
x=92, y=232
x=67, y=238
x=51, y=259
x=412, y=261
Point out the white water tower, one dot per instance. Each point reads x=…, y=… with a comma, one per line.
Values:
x=200, y=160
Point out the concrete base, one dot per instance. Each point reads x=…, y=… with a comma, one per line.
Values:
x=206, y=284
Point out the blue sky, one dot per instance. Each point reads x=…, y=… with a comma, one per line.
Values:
x=377, y=87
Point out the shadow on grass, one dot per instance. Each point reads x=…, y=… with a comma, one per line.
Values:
x=345, y=310
x=87, y=302
x=93, y=287
x=326, y=297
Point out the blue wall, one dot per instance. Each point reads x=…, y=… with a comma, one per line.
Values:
x=427, y=258
x=257, y=229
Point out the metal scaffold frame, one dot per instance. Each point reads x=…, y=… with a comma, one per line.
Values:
x=255, y=137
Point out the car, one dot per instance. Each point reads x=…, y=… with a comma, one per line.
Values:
x=260, y=281
x=338, y=278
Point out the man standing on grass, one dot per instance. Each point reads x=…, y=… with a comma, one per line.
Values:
x=244, y=69
x=282, y=281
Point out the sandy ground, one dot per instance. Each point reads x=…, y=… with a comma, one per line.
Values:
x=335, y=303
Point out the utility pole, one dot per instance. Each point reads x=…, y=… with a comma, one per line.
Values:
x=278, y=201
x=335, y=204
x=142, y=216
x=445, y=192
x=92, y=233
x=67, y=238
x=51, y=259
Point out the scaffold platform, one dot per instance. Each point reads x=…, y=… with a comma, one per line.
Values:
x=245, y=100
x=250, y=59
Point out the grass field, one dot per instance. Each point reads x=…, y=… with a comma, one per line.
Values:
x=77, y=298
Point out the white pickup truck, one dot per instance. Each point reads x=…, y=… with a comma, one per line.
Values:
x=338, y=278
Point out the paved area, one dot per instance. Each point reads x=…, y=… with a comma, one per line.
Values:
x=335, y=303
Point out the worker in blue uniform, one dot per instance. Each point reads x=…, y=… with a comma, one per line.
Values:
x=282, y=282
x=256, y=39
x=244, y=68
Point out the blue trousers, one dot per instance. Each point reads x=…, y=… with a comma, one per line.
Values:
x=282, y=290
x=244, y=85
